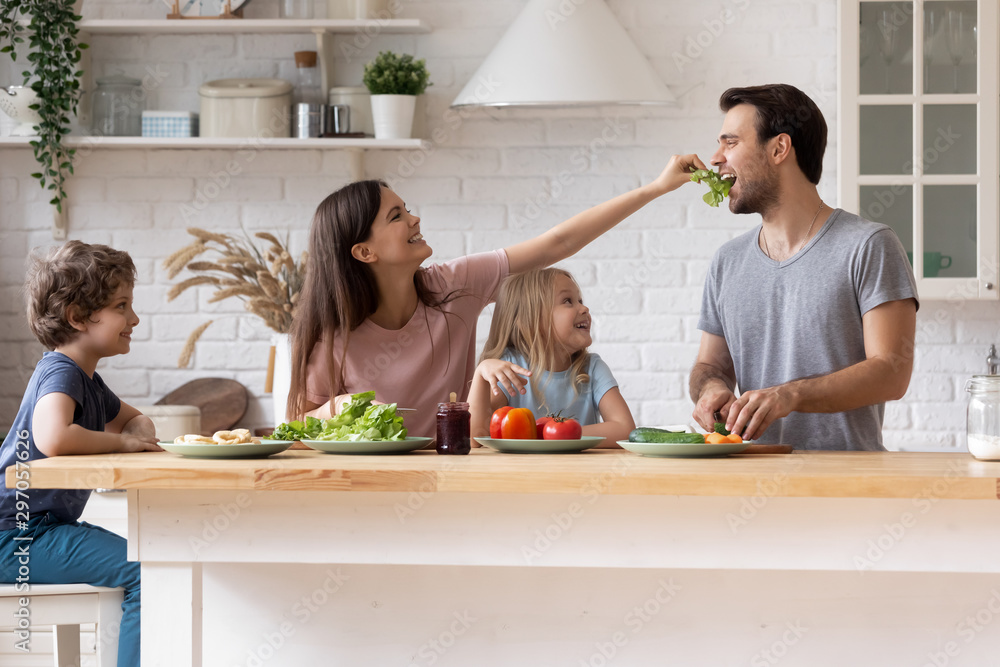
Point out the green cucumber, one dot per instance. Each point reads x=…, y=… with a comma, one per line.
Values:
x=720, y=428
x=647, y=434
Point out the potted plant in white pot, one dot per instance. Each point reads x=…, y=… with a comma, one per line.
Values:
x=394, y=82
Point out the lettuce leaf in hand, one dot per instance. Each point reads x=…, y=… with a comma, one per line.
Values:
x=378, y=422
x=718, y=187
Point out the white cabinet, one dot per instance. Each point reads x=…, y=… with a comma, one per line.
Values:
x=918, y=119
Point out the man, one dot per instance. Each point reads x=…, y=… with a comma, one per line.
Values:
x=812, y=314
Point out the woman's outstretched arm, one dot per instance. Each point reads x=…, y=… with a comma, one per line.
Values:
x=569, y=237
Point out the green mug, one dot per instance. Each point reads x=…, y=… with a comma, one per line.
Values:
x=933, y=263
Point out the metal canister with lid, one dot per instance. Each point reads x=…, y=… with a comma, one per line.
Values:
x=983, y=426
x=359, y=102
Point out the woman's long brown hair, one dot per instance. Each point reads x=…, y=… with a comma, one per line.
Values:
x=339, y=292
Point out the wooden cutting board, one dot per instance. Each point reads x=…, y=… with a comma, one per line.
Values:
x=222, y=402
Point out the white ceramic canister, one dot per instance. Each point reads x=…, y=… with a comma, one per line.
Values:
x=359, y=100
x=340, y=9
x=246, y=108
x=372, y=9
x=172, y=420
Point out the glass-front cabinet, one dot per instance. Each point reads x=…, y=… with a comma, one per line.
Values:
x=919, y=137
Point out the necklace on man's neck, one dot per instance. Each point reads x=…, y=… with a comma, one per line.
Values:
x=763, y=236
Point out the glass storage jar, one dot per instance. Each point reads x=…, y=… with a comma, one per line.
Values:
x=983, y=428
x=118, y=104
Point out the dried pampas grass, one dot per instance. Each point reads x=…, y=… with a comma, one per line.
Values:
x=268, y=281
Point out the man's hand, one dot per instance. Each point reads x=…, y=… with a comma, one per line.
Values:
x=755, y=411
x=712, y=381
x=715, y=399
x=139, y=443
x=677, y=172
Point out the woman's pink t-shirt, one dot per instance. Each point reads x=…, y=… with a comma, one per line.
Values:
x=432, y=355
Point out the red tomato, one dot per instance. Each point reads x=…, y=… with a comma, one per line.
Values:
x=561, y=428
x=518, y=424
x=540, y=424
x=495, y=421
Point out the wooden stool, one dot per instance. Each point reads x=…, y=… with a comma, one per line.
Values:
x=65, y=607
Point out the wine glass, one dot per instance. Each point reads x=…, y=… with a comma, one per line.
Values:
x=888, y=35
x=960, y=36
x=865, y=44
x=932, y=23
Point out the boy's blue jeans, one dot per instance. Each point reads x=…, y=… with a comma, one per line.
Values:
x=79, y=553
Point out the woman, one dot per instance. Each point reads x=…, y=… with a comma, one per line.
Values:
x=370, y=317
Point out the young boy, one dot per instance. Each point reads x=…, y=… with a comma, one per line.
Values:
x=80, y=308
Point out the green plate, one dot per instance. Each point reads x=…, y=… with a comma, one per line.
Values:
x=250, y=450
x=368, y=446
x=541, y=446
x=683, y=450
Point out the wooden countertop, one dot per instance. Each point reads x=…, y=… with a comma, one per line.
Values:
x=802, y=474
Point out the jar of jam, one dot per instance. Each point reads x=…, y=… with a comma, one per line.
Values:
x=453, y=428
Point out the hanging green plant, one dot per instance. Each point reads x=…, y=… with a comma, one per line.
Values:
x=54, y=54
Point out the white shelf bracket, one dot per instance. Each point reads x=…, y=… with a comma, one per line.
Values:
x=357, y=158
x=324, y=53
x=60, y=223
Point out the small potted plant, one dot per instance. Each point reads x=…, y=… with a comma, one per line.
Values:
x=394, y=82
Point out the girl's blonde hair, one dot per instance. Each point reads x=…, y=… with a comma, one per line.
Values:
x=522, y=320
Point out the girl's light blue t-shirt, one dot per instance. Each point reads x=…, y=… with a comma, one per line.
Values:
x=558, y=390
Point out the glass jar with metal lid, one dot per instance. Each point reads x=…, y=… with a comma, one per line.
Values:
x=117, y=106
x=983, y=428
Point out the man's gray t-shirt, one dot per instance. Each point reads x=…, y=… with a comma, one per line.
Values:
x=799, y=318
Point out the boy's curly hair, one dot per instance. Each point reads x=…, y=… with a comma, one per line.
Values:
x=78, y=275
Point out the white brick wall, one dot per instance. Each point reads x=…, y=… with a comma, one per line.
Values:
x=492, y=177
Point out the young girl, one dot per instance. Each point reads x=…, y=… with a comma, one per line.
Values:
x=541, y=330
x=370, y=318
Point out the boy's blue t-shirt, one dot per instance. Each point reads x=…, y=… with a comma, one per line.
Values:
x=558, y=390
x=96, y=405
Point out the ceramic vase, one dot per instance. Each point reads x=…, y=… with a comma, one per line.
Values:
x=282, y=382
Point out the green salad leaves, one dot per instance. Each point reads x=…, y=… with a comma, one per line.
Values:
x=718, y=187
x=359, y=420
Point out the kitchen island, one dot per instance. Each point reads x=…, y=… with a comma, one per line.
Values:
x=598, y=558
